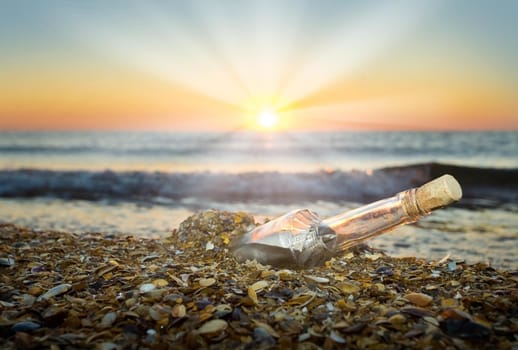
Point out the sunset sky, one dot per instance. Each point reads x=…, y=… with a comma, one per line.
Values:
x=217, y=65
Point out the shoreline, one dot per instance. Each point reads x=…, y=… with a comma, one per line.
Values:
x=484, y=235
x=110, y=292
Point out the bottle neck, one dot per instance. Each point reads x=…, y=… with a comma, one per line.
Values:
x=355, y=226
x=411, y=204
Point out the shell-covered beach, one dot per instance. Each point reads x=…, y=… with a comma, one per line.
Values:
x=64, y=291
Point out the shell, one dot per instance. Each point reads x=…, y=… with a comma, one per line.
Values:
x=317, y=279
x=57, y=290
x=419, y=299
x=252, y=295
x=259, y=286
x=266, y=327
x=397, y=319
x=160, y=283
x=222, y=310
x=348, y=288
x=207, y=282
x=159, y=312
x=213, y=326
x=336, y=338
x=108, y=319
x=178, y=311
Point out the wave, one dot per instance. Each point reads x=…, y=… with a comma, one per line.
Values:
x=482, y=187
x=114, y=151
x=171, y=145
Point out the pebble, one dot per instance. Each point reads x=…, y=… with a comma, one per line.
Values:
x=6, y=261
x=146, y=288
x=25, y=326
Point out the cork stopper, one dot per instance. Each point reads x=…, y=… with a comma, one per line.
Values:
x=438, y=193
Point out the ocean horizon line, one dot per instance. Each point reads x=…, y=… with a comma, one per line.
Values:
x=259, y=131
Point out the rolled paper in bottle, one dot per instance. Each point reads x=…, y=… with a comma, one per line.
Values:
x=438, y=193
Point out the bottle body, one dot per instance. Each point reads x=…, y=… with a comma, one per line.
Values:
x=291, y=240
x=302, y=239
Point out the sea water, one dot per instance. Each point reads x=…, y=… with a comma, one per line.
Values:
x=146, y=183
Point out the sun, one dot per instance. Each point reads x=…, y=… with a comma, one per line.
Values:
x=267, y=119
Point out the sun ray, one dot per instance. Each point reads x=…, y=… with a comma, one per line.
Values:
x=349, y=48
x=262, y=64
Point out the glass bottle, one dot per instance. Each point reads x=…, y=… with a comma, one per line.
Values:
x=301, y=239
